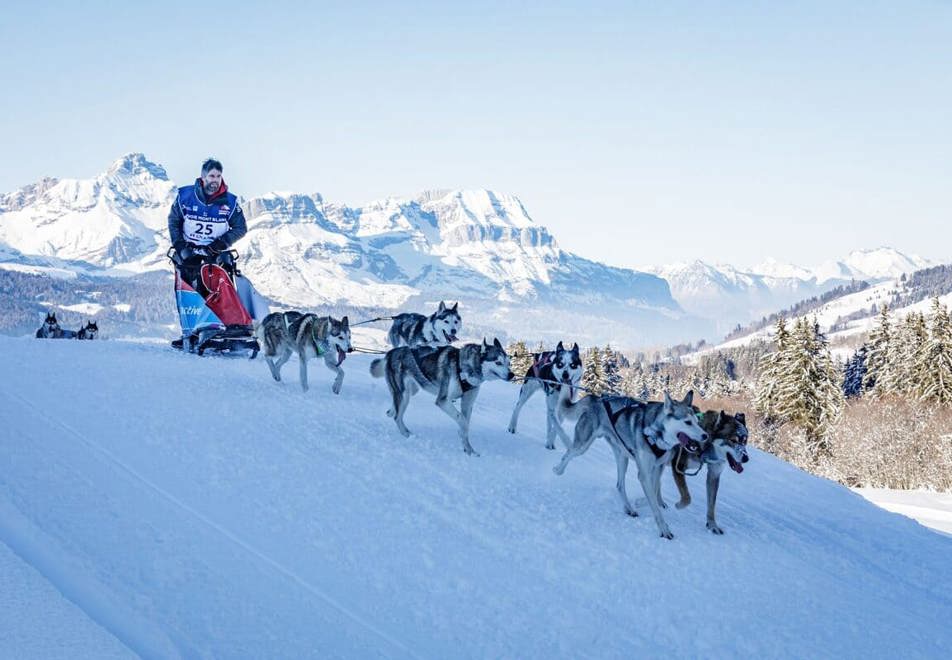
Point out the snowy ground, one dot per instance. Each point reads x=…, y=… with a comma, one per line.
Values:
x=930, y=509
x=166, y=505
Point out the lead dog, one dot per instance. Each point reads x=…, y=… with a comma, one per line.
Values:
x=448, y=372
x=645, y=432
x=548, y=370
x=727, y=445
x=283, y=333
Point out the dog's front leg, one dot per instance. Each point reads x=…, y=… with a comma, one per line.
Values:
x=525, y=393
x=682, y=485
x=661, y=502
x=553, y=427
x=333, y=366
x=713, y=483
x=647, y=475
x=443, y=403
x=584, y=437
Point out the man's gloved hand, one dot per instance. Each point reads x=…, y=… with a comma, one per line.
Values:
x=218, y=245
x=188, y=251
x=178, y=246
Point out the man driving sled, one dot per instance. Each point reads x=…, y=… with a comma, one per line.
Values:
x=204, y=222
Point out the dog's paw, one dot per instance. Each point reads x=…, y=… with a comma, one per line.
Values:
x=667, y=535
x=714, y=528
x=682, y=504
x=550, y=445
x=662, y=504
x=336, y=389
x=631, y=512
x=470, y=451
x=512, y=429
x=390, y=413
x=558, y=469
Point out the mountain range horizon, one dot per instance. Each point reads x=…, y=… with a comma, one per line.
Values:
x=401, y=251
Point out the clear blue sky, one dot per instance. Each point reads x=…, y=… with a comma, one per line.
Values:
x=639, y=132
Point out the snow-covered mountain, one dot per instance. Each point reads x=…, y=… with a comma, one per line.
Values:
x=729, y=295
x=115, y=219
x=846, y=318
x=476, y=246
x=270, y=523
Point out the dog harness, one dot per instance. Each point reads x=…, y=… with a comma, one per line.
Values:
x=542, y=360
x=613, y=417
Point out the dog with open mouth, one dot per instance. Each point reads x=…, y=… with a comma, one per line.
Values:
x=647, y=432
x=438, y=329
x=282, y=334
x=727, y=445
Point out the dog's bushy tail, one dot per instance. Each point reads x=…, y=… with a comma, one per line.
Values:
x=378, y=367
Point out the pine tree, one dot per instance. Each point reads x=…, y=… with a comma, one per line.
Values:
x=519, y=358
x=635, y=382
x=593, y=380
x=854, y=374
x=907, y=341
x=877, y=353
x=808, y=393
x=933, y=377
x=772, y=367
x=611, y=370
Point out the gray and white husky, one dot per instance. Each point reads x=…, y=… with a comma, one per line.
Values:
x=88, y=331
x=283, y=333
x=448, y=372
x=50, y=329
x=646, y=432
x=438, y=329
x=563, y=365
x=727, y=445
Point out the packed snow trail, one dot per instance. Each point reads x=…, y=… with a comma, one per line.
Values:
x=223, y=514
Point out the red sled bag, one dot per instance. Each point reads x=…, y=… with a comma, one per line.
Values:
x=222, y=297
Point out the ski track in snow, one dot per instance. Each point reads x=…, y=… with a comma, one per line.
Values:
x=193, y=507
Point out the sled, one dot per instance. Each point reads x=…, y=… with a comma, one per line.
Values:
x=210, y=313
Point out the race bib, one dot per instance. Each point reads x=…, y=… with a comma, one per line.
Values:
x=204, y=230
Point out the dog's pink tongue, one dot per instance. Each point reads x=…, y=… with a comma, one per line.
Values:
x=340, y=356
x=684, y=439
x=735, y=466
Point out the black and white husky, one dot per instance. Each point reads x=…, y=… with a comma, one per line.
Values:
x=50, y=329
x=547, y=370
x=283, y=333
x=438, y=329
x=448, y=372
x=727, y=446
x=88, y=331
x=646, y=432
